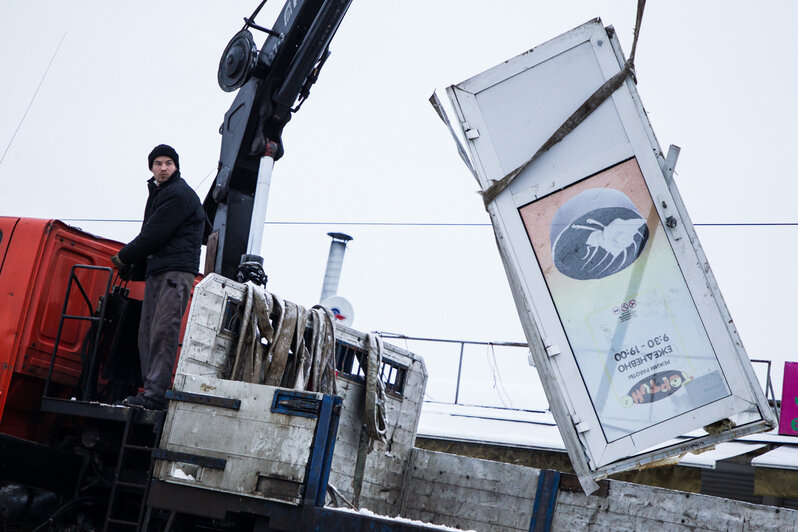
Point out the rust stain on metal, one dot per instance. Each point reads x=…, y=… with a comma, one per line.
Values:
x=570, y=483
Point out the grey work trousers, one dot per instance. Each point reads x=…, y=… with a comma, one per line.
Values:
x=165, y=297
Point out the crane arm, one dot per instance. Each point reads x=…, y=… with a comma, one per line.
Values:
x=270, y=82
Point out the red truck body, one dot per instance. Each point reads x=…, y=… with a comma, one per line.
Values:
x=36, y=258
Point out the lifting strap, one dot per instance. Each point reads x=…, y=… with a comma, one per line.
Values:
x=375, y=390
x=271, y=347
x=577, y=117
x=375, y=426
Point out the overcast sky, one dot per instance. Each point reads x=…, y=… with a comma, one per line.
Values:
x=717, y=79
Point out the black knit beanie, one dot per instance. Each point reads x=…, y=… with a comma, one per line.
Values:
x=163, y=149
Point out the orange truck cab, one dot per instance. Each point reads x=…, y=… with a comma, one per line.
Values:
x=36, y=259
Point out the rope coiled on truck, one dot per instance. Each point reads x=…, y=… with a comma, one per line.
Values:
x=375, y=390
x=374, y=426
x=281, y=343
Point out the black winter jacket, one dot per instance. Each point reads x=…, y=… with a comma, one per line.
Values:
x=171, y=234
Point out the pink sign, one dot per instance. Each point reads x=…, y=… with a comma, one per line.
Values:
x=788, y=424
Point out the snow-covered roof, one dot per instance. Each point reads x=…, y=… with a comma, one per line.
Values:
x=783, y=457
x=538, y=430
x=722, y=451
x=521, y=428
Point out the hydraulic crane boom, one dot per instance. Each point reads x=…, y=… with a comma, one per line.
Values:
x=269, y=83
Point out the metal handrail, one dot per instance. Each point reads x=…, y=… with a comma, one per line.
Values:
x=770, y=393
x=64, y=316
x=396, y=336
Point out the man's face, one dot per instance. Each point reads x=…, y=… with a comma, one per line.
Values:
x=162, y=168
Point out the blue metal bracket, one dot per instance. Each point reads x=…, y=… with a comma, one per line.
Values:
x=321, y=452
x=295, y=403
x=545, y=500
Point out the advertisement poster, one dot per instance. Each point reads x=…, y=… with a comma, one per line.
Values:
x=788, y=421
x=630, y=319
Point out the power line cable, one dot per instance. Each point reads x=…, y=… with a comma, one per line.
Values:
x=748, y=224
x=39, y=86
x=100, y=220
x=206, y=177
x=383, y=224
x=429, y=224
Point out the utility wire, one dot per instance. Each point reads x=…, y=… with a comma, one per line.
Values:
x=430, y=224
x=206, y=177
x=385, y=224
x=122, y=220
x=748, y=224
x=33, y=98
x=294, y=222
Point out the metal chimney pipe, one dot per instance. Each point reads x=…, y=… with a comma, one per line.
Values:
x=334, y=262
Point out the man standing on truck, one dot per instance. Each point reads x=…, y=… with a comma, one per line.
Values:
x=165, y=254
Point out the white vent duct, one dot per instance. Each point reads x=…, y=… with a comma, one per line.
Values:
x=334, y=263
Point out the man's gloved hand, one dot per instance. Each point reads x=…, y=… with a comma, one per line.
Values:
x=125, y=270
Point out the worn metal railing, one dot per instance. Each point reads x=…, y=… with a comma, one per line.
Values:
x=770, y=393
x=462, y=343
